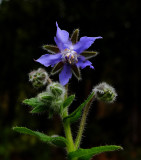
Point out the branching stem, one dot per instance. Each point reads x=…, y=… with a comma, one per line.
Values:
x=82, y=124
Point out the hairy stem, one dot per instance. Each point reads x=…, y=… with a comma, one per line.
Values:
x=67, y=128
x=49, y=80
x=68, y=134
x=82, y=123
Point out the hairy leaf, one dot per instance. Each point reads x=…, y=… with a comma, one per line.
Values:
x=39, y=109
x=38, y=106
x=33, y=102
x=56, y=140
x=86, y=154
x=68, y=101
x=74, y=116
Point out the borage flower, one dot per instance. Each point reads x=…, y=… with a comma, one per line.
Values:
x=69, y=55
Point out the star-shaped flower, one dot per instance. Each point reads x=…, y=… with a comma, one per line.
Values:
x=69, y=55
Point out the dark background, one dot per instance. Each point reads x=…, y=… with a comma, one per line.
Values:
x=25, y=25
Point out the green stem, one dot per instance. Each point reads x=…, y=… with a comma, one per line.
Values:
x=67, y=128
x=82, y=124
x=49, y=80
x=68, y=134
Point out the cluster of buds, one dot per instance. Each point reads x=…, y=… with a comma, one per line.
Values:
x=58, y=92
x=38, y=78
x=53, y=96
x=105, y=92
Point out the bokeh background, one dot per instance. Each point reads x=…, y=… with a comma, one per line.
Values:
x=25, y=25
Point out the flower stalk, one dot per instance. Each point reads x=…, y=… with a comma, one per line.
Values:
x=68, y=134
x=49, y=80
x=67, y=128
x=82, y=123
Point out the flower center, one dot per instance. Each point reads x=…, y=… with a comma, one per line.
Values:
x=69, y=56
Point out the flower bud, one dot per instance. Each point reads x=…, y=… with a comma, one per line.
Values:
x=56, y=104
x=105, y=92
x=56, y=89
x=38, y=78
x=45, y=97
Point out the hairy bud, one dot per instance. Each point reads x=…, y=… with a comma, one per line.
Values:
x=45, y=97
x=38, y=78
x=105, y=92
x=56, y=89
x=56, y=104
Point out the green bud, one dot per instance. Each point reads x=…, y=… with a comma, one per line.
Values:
x=105, y=92
x=56, y=89
x=56, y=105
x=38, y=78
x=45, y=97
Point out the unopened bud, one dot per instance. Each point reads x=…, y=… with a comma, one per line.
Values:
x=38, y=78
x=56, y=89
x=45, y=97
x=105, y=92
x=56, y=104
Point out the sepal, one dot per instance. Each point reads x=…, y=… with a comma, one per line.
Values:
x=89, y=54
x=51, y=48
x=76, y=72
x=74, y=37
x=57, y=68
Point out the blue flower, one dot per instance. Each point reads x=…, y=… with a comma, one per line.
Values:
x=69, y=55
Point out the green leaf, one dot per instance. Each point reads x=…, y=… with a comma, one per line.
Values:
x=39, y=109
x=74, y=116
x=51, y=48
x=56, y=140
x=74, y=37
x=33, y=102
x=68, y=101
x=38, y=106
x=89, y=54
x=86, y=154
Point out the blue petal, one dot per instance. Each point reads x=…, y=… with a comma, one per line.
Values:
x=49, y=59
x=62, y=39
x=84, y=43
x=65, y=74
x=82, y=63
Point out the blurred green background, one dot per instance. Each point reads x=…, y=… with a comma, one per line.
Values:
x=25, y=25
